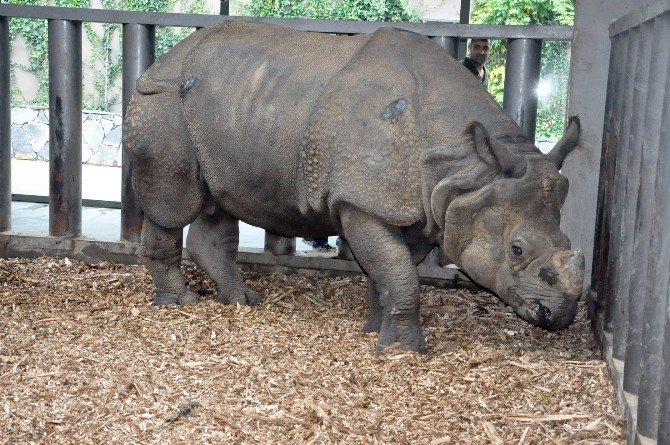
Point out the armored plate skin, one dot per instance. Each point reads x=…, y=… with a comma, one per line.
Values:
x=381, y=138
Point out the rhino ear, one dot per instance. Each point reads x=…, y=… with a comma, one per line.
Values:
x=568, y=142
x=493, y=152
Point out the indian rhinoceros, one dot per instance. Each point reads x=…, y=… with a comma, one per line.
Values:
x=381, y=138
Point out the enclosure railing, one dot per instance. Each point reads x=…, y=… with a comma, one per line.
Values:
x=65, y=143
x=631, y=265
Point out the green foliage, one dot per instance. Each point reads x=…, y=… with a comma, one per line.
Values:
x=367, y=10
x=105, y=56
x=35, y=34
x=555, y=64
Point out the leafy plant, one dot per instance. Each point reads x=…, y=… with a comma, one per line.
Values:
x=366, y=10
x=555, y=62
x=105, y=40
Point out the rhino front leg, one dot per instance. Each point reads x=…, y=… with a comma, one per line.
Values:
x=383, y=254
x=419, y=251
x=374, y=321
x=160, y=251
x=212, y=243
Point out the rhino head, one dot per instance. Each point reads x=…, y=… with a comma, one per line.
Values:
x=500, y=223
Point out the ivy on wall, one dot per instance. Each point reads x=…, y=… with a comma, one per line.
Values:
x=105, y=56
x=368, y=10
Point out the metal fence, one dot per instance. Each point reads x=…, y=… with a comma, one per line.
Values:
x=631, y=264
x=65, y=91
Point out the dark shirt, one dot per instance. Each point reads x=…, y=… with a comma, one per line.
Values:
x=469, y=64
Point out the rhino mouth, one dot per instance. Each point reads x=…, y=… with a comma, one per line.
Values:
x=537, y=312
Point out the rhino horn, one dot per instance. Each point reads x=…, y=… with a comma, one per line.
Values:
x=569, y=141
x=513, y=165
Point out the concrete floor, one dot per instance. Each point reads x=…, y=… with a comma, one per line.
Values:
x=99, y=183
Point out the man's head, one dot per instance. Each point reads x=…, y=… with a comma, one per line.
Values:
x=479, y=51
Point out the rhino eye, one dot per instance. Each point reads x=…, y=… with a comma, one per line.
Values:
x=516, y=250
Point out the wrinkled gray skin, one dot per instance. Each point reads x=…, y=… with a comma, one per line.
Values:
x=383, y=139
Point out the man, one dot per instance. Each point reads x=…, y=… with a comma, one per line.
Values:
x=479, y=54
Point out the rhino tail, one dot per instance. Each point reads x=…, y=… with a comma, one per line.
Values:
x=147, y=85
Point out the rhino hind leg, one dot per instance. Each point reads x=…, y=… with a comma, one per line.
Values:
x=160, y=251
x=212, y=243
x=394, y=274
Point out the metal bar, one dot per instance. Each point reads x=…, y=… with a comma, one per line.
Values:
x=224, y=8
x=96, y=203
x=5, y=129
x=279, y=245
x=462, y=44
x=647, y=127
x=664, y=409
x=31, y=246
x=450, y=44
x=465, y=11
x=65, y=94
x=606, y=177
x=604, y=288
x=546, y=32
x=138, y=55
x=522, y=75
x=658, y=280
x=616, y=223
x=639, y=16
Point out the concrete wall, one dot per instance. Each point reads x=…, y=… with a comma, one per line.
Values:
x=587, y=90
x=25, y=83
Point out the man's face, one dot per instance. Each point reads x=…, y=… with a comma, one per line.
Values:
x=479, y=51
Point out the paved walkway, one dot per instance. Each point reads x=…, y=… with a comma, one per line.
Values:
x=99, y=183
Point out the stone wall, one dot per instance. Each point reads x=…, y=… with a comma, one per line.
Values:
x=101, y=136
x=101, y=139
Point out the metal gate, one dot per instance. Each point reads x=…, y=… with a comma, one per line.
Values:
x=631, y=265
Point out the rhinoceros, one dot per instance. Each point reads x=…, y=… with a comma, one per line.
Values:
x=383, y=139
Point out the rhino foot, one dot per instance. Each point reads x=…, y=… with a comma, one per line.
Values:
x=172, y=299
x=408, y=336
x=244, y=297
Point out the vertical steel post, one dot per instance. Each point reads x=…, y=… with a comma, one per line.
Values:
x=5, y=130
x=613, y=140
x=464, y=19
x=605, y=190
x=664, y=408
x=522, y=76
x=598, y=308
x=615, y=271
x=279, y=245
x=658, y=283
x=138, y=55
x=646, y=129
x=224, y=8
x=65, y=94
x=450, y=44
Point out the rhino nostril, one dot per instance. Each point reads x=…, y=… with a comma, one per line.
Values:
x=538, y=314
x=543, y=314
x=548, y=275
